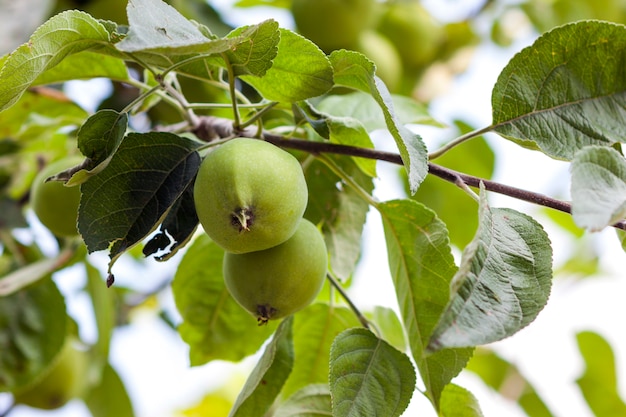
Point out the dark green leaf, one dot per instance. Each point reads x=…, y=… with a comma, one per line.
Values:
x=311, y=401
x=354, y=70
x=180, y=223
x=340, y=210
x=566, y=91
x=214, y=325
x=368, y=377
x=422, y=267
x=109, y=397
x=500, y=375
x=268, y=376
x=124, y=203
x=458, y=402
x=64, y=34
x=101, y=134
x=300, y=71
x=598, y=187
x=33, y=325
x=599, y=381
x=502, y=284
x=314, y=330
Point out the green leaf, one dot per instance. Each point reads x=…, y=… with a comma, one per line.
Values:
x=369, y=377
x=349, y=131
x=454, y=206
x=101, y=134
x=598, y=187
x=33, y=325
x=500, y=375
x=389, y=325
x=341, y=211
x=354, y=70
x=124, y=203
x=85, y=65
x=422, y=267
x=300, y=71
x=65, y=34
x=598, y=383
x=268, y=376
x=311, y=401
x=156, y=26
x=502, y=284
x=38, y=114
x=109, y=397
x=566, y=91
x=254, y=56
x=213, y=324
x=364, y=108
x=177, y=228
x=103, y=304
x=458, y=402
x=314, y=330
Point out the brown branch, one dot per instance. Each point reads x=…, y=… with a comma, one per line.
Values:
x=225, y=129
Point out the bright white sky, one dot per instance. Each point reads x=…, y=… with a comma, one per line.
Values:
x=153, y=360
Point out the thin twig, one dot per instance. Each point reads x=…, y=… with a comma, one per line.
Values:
x=345, y=296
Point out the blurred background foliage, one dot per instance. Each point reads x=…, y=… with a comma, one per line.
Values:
x=418, y=54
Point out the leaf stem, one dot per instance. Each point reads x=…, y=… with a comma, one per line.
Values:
x=233, y=93
x=362, y=319
x=456, y=142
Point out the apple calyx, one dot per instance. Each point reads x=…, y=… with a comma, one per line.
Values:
x=264, y=313
x=242, y=218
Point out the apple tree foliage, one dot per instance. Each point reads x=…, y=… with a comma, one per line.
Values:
x=184, y=81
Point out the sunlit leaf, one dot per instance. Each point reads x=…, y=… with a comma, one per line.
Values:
x=458, y=402
x=67, y=33
x=502, y=284
x=268, y=376
x=422, y=267
x=311, y=401
x=364, y=108
x=599, y=380
x=254, y=56
x=354, y=70
x=33, y=325
x=369, y=377
x=566, y=91
x=213, y=324
x=598, y=187
x=300, y=71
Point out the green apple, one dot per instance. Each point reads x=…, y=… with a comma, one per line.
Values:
x=282, y=280
x=56, y=205
x=414, y=32
x=384, y=54
x=64, y=380
x=332, y=24
x=250, y=195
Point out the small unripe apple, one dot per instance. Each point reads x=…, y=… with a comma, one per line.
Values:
x=63, y=381
x=333, y=24
x=277, y=282
x=250, y=195
x=56, y=205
